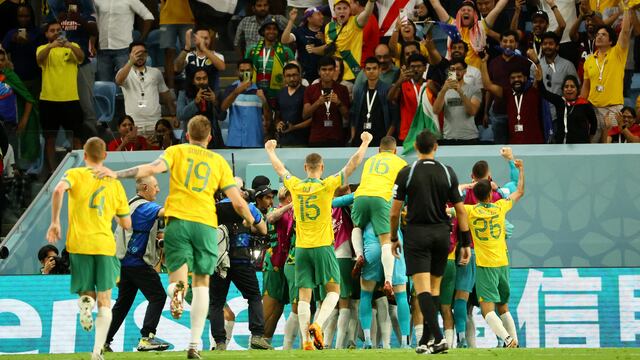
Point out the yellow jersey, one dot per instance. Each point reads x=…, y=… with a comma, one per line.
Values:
x=312, y=208
x=379, y=174
x=487, y=225
x=348, y=39
x=472, y=58
x=601, y=5
x=92, y=205
x=60, y=66
x=607, y=91
x=195, y=175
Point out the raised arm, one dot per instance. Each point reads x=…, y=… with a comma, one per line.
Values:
x=515, y=20
x=286, y=37
x=493, y=14
x=488, y=85
x=357, y=158
x=519, y=193
x=625, y=32
x=180, y=62
x=274, y=216
x=575, y=28
x=443, y=15
x=278, y=166
x=364, y=15
x=556, y=13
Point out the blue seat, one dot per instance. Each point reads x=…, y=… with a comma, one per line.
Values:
x=104, y=95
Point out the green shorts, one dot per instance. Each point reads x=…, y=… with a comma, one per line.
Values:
x=290, y=274
x=316, y=266
x=93, y=272
x=374, y=210
x=346, y=283
x=191, y=243
x=448, y=284
x=274, y=284
x=492, y=284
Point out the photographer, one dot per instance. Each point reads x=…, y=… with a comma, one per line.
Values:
x=242, y=273
x=139, y=251
x=52, y=264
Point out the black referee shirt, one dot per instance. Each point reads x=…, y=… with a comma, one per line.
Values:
x=426, y=186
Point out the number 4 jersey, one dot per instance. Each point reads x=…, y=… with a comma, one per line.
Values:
x=195, y=174
x=487, y=225
x=312, y=208
x=379, y=174
x=92, y=205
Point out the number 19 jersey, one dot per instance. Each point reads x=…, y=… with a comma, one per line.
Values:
x=312, y=208
x=195, y=174
x=487, y=225
x=379, y=174
x=92, y=205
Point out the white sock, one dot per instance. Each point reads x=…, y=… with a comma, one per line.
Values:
x=449, y=335
x=328, y=305
x=199, y=311
x=356, y=241
x=387, y=262
x=343, y=325
x=496, y=325
x=304, y=316
x=395, y=324
x=418, y=330
x=228, y=329
x=171, y=289
x=374, y=328
x=103, y=320
x=290, y=331
x=384, y=321
x=471, y=332
x=509, y=325
x=330, y=328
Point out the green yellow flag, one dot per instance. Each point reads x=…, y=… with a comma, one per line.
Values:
x=424, y=118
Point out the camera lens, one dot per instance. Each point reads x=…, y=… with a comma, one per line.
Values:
x=161, y=244
x=4, y=252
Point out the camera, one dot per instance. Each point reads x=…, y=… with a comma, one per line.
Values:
x=62, y=264
x=259, y=244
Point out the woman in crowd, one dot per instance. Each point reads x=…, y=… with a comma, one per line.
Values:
x=129, y=139
x=163, y=136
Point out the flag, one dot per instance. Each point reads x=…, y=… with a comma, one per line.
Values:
x=424, y=119
x=450, y=29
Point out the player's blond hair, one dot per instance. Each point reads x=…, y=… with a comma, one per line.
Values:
x=95, y=149
x=199, y=128
x=313, y=161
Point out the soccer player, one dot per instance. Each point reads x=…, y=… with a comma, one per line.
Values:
x=373, y=202
x=487, y=224
x=316, y=262
x=190, y=234
x=93, y=203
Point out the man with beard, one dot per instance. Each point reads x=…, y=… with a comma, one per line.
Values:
x=269, y=57
x=308, y=39
x=585, y=39
x=459, y=50
x=388, y=70
x=500, y=69
x=289, y=105
x=203, y=57
x=540, y=21
x=247, y=35
x=522, y=101
x=406, y=91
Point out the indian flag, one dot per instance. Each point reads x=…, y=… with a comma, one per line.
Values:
x=424, y=118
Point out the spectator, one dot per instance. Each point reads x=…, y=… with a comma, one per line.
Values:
x=51, y=263
x=21, y=44
x=408, y=49
x=78, y=28
x=247, y=34
x=628, y=132
x=200, y=99
x=472, y=29
x=459, y=102
x=388, y=14
x=540, y=21
x=501, y=69
x=164, y=136
x=370, y=32
x=389, y=72
x=175, y=19
x=406, y=91
x=371, y=111
x=575, y=120
x=604, y=71
x=203, y=57
x=268, y=57
x=502, y=23
x=129, y=139
x=115, y=25
x=404, y=33
x=555, y=68
x=17, y=112
x=522, y=101
x=585, y=39
x=289, y=105
x=459, y=49
x=326, y=105
x=143, y=88
x=308, y=38
x=59, y=101
x=8, y=15
x=248, y=110
x=346, y=33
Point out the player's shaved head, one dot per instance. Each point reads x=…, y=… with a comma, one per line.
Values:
x=313, y=161
x=95, y=149
x=388, y=143
x=199, y=128
x=480, y=170
x=482, y=190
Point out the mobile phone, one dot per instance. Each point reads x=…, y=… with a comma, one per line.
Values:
x=63, y=35
x=246, y=76
x=73, y=8
x=452, y=75
x=403, y=14
x=22, y=32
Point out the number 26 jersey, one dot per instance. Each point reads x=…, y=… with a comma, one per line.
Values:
x=487, y=225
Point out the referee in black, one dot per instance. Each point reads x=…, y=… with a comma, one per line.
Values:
x=427, y=186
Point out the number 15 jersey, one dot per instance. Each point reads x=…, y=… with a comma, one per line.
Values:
x=312, y=208
x=195, y=174
x=487, y=225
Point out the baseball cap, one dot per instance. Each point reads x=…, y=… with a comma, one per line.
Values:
x=271, y=20
x=261, y=186
x=540, y=14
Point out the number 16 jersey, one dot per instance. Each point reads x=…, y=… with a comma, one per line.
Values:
x=195, y=174
x=379, y=174
x=487, y=225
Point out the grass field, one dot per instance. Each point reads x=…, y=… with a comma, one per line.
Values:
x=475, y=354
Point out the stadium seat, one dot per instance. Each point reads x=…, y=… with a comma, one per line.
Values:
x=104, y=94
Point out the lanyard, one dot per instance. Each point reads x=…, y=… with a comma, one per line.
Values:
x=538, y=52
x=327, y=104
x=416, y=89
x=600, y=68
x=140, y=76
x=370, y=103
x=553, y=67
x=590, y=44
x=518, y=99
x=566, y=115
x=265, y=59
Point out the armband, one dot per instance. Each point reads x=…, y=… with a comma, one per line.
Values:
x=465, y=238
x=256, y=222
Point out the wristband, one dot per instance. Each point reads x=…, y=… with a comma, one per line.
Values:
x=465, y=238
x=256, y=222
x=394, y=239
x=186, y=50
x=554, y=7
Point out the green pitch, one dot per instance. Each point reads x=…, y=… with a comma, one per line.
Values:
x=471, y=354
